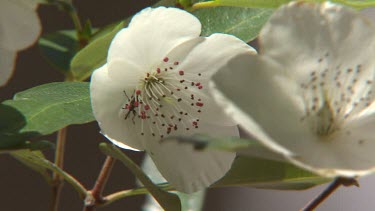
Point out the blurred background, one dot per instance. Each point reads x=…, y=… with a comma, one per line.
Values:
x=23, y=189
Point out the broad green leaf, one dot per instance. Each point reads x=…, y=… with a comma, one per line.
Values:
x=358, y=4
x=22, y=156
x=23, y=144
x=93, y=55
x=192, y=201
x=168, y=201
x=38, y=162
x=59, y=48
x=47, y=108
x=244, y=23
x=269, y=174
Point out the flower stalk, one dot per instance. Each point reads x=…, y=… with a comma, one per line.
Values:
x=95, y=195
x=328, y=191
x=57, y=180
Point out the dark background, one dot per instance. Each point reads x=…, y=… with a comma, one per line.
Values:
x=23, y=189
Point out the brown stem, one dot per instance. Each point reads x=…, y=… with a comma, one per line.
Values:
x=328, y=191
x=57, y=180
x=95, y=197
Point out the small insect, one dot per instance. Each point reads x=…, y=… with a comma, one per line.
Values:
x=132, y=104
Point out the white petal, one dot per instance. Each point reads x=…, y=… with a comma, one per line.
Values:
x=19, y=25
x=308, y=38
x=107, y=98
x=256, y=94
x=7, y=62
x=348, y=152
x=189, y=170
x=151, y=34
x=204, y=56
x=124, y=72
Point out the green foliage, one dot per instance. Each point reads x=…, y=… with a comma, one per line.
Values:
x=94, y=54
x=168, y=201
x=244, y=23
x=47, y=108
x=59, y=48
x=36, y=161
x=24, y=157
x=268, y=174
x=276, y=3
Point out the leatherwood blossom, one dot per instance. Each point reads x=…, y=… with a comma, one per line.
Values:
x=309, y=95
x=19, y=28
x=155, y=85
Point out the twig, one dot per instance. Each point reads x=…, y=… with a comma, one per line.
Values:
x=328, y=191
x=95, y=197
x=57, y=180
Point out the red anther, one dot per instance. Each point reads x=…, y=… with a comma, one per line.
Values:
x=178, y=89
x=176, y=63
x=143, y=115
x=198, y=84
x=135, y=104
x=199, y=104
x=195, y=123
x=158, y=70
x=147, y=107
x=200, y=87
x=138, y=92
x=181, y=72
x=166, y=59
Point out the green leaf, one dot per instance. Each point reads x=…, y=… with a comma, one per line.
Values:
x=22, y=156
x=168, y=201
x=192, y=201
x=38, y=162
x=47, y=108
x=93, y=55
x=59, y=48
x=244, y=23
x=268, y=174
x=276, y=3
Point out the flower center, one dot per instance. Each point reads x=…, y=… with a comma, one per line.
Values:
x=166, y=100
x=333, y=95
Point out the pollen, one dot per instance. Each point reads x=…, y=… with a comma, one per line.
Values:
x=332, y=95
x=156, y=109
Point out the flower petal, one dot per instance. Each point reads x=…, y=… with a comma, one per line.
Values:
x=151, y=34
x=124, y=72
x=7, y=61
x=19, y=25
x=107, y=99
x=267, y=105
x=326, y=39
x=189, y=170
x=199, y=64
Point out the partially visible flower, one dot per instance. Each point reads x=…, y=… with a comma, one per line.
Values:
x=155, y=84
x=310, y=93
x=19, y=28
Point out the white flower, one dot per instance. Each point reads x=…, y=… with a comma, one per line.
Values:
x=19, y=28
x=155, y=84
x=309, y=94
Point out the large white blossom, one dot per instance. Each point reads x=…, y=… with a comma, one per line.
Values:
x=19, y=28
x=155, y=84
x=309, y=94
